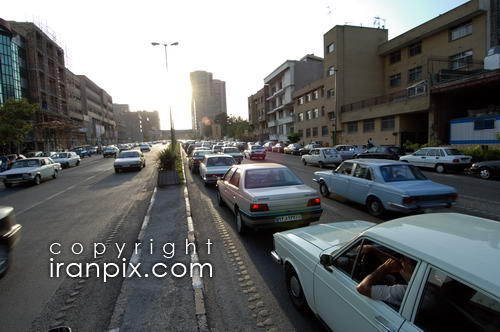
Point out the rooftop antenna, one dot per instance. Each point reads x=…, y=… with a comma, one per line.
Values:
x=379, y=22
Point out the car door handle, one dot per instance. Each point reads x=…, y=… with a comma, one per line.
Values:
x=385, y=323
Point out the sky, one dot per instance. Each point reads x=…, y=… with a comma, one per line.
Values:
x=240, y=42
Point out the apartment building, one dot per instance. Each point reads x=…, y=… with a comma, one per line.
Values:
x=449, y=47
x=257, y=114
x=282, y=83
x=149, y=124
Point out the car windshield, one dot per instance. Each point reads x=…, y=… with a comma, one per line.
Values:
x=394, y=173
x=26, y=163
x=61, y=155
x=329, y=152
x=270, y=177
x=231, y=150
x=453, y=152
x=201, y=153
x=128, y=154
x=220, y=161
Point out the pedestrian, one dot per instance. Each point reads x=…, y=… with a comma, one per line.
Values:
x=370, y=143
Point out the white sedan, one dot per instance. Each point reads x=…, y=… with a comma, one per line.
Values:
x=267, y=196
x=33, y=170
x=432, y=272
x=214, y=166
x=66, y=159
x=129, y=159
x=322, y=157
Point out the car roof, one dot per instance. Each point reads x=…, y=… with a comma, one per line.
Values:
x=217, y=155
x=465, y=246
x=260, y=165
x=377, y=162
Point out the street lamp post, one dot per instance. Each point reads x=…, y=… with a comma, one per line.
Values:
x=165, y=45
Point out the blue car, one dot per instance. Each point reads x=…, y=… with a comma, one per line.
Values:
x=383, y=185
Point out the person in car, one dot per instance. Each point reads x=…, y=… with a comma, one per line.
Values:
x=371, y=285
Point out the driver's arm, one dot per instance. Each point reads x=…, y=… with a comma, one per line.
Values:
x=389, y=266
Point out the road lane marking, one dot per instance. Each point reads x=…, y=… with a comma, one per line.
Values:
x=56, y=194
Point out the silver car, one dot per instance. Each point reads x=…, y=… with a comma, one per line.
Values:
x=33, y=170
x=66, y=159
x=267, y=196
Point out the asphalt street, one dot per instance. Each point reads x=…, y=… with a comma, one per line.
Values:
x=85, y=204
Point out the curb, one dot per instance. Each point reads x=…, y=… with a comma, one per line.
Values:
x=120, y=304
x=199, y=296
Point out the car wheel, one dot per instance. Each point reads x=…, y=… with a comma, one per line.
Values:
x=485, y=173
x=117, y=170
x=219, y=199
x=304, y=162
x=323, y=189
x=295, y=291
x=240, y=225
x=78, y=163
x=320, y=164
x=440, y=168
x=375, y=207
x=4, y=259
x=37, y=180
x=55, y=174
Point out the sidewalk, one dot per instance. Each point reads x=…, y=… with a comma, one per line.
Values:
x=153, y=303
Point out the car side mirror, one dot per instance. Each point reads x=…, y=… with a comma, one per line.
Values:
x=326, y=260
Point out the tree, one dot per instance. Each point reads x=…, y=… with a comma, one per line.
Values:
x=16, y=120
x=294, y=137
x=236, y=127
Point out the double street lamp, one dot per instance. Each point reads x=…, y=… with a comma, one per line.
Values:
x=165, y=45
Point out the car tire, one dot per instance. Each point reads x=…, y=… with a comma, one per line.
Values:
x=485, y=173
x=375, y=206
x=78, y=163
x=117, y=170
x=37, y=180
x=304, y=162
x=219, y=199
x=54, y=176
x=240, y=225
x=323, y=190
x=295, y=290
x=4, y=259
x=320, y=164
x=440, y=168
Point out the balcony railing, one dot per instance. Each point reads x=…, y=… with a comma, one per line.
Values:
x=389, y=98
x=444, y=70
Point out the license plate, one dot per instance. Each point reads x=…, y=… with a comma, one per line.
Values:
x=289, y=218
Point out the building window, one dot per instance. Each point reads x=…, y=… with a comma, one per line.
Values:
x=301, y=117
x=352, y=127
x=395, y=80
x=308, y=115
x=280, y=114
x=308, y=132
x=415, y=74
x=368, y=125
x=301, y=133
x=387, y=123
x=315, y=131
x=308, y=97
x=331, y=116
x=322, y=110
x=331, y=71
x=330, y=48
x=461, y=31
x=461, y=60
x=324, y=131
x=301, y=100
x=415, y=49
x=481, y=124
x=395, y=56
x=315, y=113
x=330, y=93
x=316, y=94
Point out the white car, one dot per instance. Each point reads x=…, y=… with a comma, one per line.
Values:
x=129, y=159
x=322, y=157
x=432, y=272
x=233, y=152
x=347, y=151
x=214, y=166
x=33, y=170
x=441, y=159
x=144, y=147
x=267, y=196
x=66, y=159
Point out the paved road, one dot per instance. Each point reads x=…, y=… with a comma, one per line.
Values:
x=86, y=204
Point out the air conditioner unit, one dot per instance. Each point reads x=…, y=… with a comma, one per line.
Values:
x=492, y=60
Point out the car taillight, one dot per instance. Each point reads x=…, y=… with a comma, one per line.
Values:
x=314, y=202
x=456, y=160
x=258, y=207
x=409, y=200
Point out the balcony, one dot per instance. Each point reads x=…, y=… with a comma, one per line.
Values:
x=271, y=123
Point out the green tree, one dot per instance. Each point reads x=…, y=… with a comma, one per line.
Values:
x=16, y=120
x=294, y=137
x=236, y=127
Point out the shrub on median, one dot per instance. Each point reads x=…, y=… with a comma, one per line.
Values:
x=479, y=153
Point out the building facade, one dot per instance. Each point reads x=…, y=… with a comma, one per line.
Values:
x=208, y=101
x=149, y=124
x=257, y=114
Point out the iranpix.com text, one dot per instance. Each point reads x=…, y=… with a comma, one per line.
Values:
x=125, y=269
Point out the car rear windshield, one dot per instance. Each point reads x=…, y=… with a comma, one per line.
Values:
x=128, y=154
x=270, y=177
x=220, y=161
x=201, y=153
x=26, y=163
x=231, y=150
x=453, y=152
x=257, y=147
x=394, y=173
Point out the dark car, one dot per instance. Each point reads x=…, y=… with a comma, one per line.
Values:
x=485, y=169
x=7, y=161
x=195, y=159
x=293, y=148
x=82, y=152
x=306, y=149
x=382, y=152
x=279, y=147
x=9, y=235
